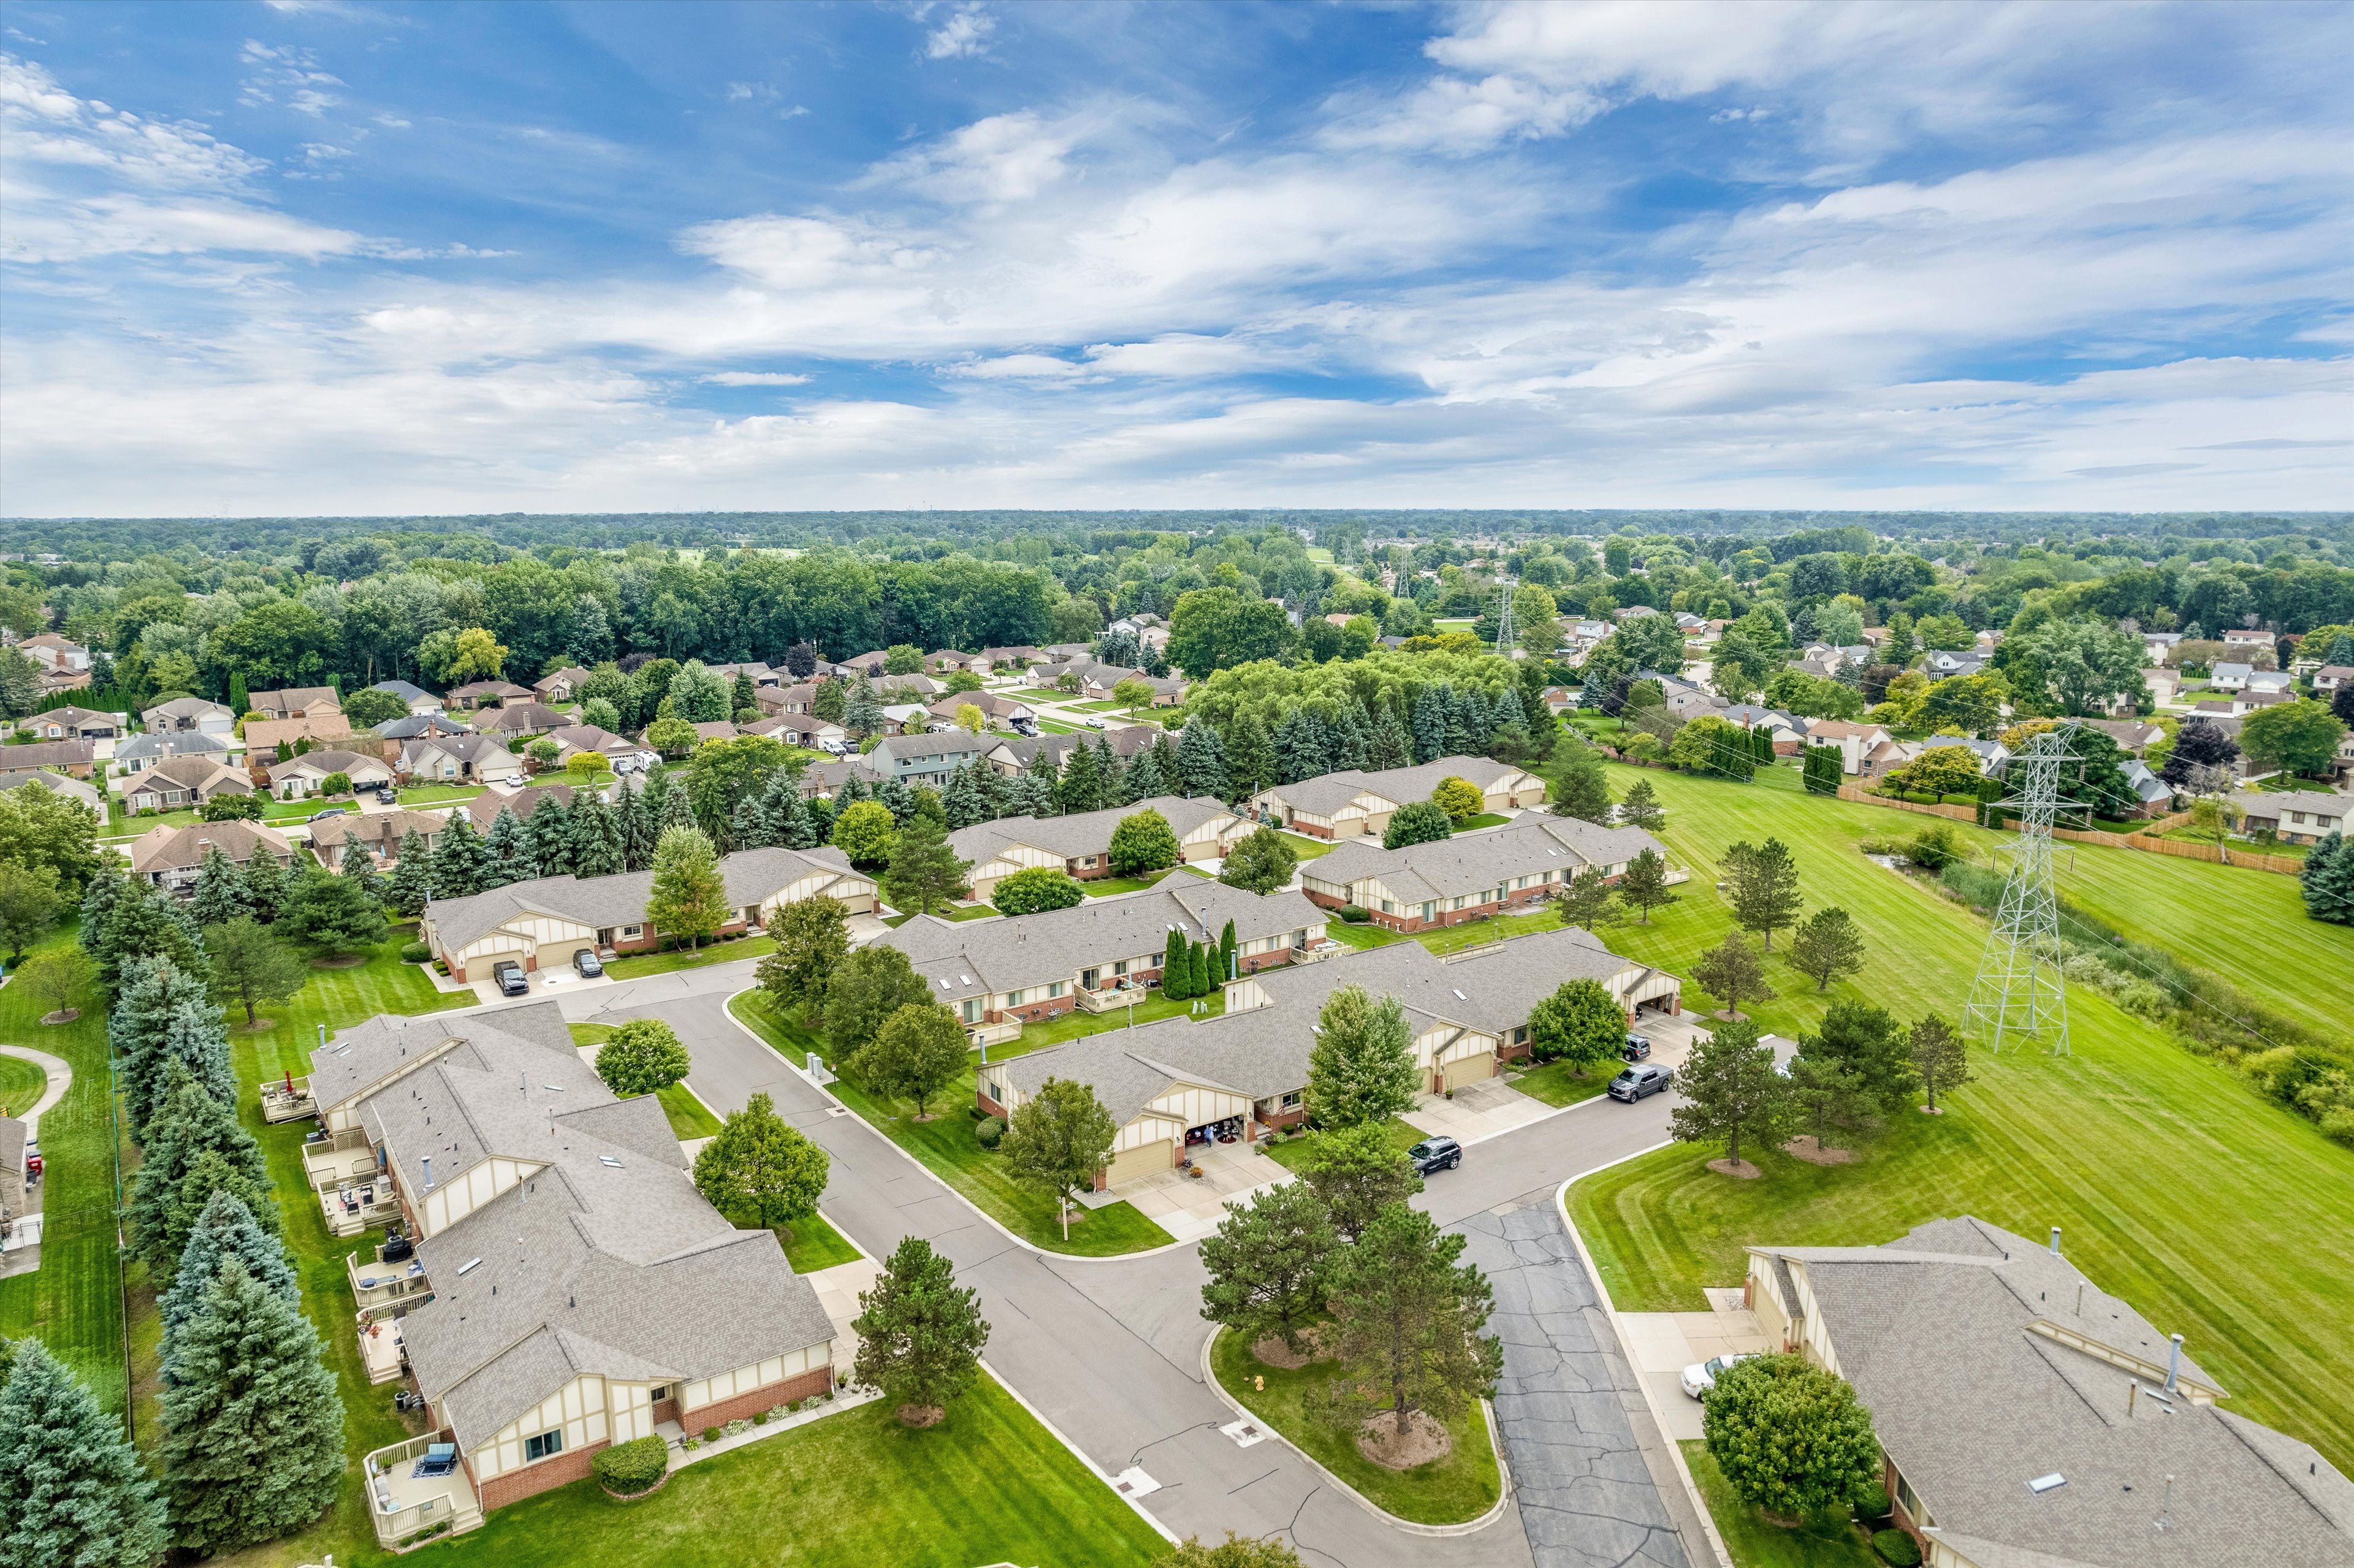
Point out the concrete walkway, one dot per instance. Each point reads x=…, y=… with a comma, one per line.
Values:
x=60, y=1080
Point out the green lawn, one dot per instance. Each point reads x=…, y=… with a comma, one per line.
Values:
x=1052, y=727
x=1151, y=1005
x=689, y=1117
x=2175, y=1185
x=987, y=1485
x=1755, y=1543
x=1106, y=886
x=121, y=825
x=948, y=1149
x=436, y=794
x=74, y=1301
x=21, y=1082
x=1290, y=1152
x=637, y=966
x=1484, y=820
x=1306, y=847
x=1460, y=1487
x=1554, y=1083
x=817, y=1244
x=1445, y=939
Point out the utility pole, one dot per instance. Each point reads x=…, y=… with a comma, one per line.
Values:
x=2020, y=995
x=1506, y=636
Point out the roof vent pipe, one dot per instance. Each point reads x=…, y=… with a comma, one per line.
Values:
x=428, y=1170
x=2174, y=1363
x=2055, y=1241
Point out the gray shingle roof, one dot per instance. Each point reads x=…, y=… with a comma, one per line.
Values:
x=157, y=745
x=919, y=747
x=1936, y=1332
x=607, y=1261
x=178, y=849
x=1327, y=793
x=974, y=958
x=619, y=899
x=1087, y=833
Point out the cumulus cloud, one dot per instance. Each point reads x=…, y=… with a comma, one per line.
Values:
x=964, y=33
x=755, y=378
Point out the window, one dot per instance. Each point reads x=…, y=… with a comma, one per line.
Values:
x=972, y=1011
x=1013, y=999
x=1055, y=988
x=543, y=1446
x=629, y=931
x=660, y=1392
x=1120, y=967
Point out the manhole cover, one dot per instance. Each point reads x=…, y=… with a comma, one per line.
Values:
x=1244, y=1432
x=1133, y=1482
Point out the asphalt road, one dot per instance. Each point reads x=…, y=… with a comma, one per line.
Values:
x=1110, y=1350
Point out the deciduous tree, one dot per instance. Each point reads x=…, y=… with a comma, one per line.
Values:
x=1057, y=1139
x=1581, y=1024
x=1790, y=1438
x=57, y=977
x=919, y=1051
x=813, y=937
x=1142, y=843
x=1361, y=1068
x=688, y=899
x=1458, y=797
x=868, y=987
x=1036, y=889
x=865, y=831
x=641, y=1056
x=758, y=1170
x=1417, y=822
x=1263, y=861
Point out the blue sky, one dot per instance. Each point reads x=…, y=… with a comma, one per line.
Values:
x=322, y=256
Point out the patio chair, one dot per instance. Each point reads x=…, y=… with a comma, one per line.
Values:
x=440, y=1459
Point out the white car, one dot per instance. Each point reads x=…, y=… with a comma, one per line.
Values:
x=1700, y=1376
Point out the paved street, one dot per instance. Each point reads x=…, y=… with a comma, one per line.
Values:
x=1110, y=1350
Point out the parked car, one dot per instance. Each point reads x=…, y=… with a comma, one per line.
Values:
x=1636, y=1082
x=1700, y=1376
x=331, y=811
x=511, y=780
x=386, y=796
x=1435, y=1154
x=1636, y=1048
x=33, y=1163
x=586, y=960
x=512, y=980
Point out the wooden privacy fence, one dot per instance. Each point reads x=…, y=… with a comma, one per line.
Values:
x=2145, y=841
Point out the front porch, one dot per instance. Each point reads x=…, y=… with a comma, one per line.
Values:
x=402, y=1504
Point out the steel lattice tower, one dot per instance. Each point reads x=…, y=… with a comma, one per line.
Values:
x=1505, y=635
x=2020, y=995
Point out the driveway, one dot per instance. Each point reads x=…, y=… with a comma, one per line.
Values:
x=1486, y=1109
x=1661, y=1344
x=1110, y=1350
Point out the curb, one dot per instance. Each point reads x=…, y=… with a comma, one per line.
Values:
x=893, y=1143
x=1039, y=1415
x=1675, y=1450
x=1504, y=1489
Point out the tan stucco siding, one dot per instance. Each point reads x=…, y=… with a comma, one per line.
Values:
x=695, y=1395
x=453, y=1197
x=577, y=1409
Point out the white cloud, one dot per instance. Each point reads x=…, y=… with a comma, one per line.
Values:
x=47, y=125
x=1460, y=115
x=966, y=33
x=755, y=378
x=273, y=69
x=1003, y=158
x=1017, y=367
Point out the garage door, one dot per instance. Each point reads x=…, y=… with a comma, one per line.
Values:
x=1158, y=1155
x=487, y=966
x=556, y=955
x=1470, y=1069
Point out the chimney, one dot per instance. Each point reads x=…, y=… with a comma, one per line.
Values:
x=2174, y=1363
x=2055, y=1241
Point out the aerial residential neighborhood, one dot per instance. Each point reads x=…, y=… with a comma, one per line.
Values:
x=977, y=784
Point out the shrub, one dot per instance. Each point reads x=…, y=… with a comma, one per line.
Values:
x=711, y=1434
x=415, y=952
x=760, y=1419
x=738, y=1427
x=1874, y=1504
x=988, y=1131
x=779, y=1411
x=1354, y=914
x=689, y=1445
x=1896, y=1547
x=628, y=1468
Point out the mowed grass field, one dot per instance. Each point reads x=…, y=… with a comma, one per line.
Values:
x=2214, y=1212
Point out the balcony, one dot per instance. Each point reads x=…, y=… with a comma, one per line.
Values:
x=1113, y=997
x=383, y=1352
x=402, y=1505
x=288, y=1099
x=331, y=1159
x=383, y=1290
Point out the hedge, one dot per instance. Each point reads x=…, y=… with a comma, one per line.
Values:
x=632, y=1467
x=1897, y=1548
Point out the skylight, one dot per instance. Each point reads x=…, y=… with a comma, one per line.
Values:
x=608, y=1159
x=2042, y=1484
x=472, y=1263
x=1461, y=997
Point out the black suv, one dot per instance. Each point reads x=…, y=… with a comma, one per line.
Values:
x=1636, y=1048
x=1636, y=1082
x=512, y=980
x=1435, y=1154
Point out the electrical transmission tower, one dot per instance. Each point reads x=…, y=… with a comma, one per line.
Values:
x=1506, y=636
x=2020, y=995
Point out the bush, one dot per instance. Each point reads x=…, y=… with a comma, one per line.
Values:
x=1874, y=1504
x=1896, y=1547
x=760, y=1419
x=415, y=952
x=711, y=1434
x=738, y=1427
x=628, y=1468
x=988, y=1131
x=1354, y=914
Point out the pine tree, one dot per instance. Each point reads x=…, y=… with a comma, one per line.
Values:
x=677, y=811
x=596, y=836
x=1164, y=758
x=194, y=1039
x=508, y=855
x=1082, y=785
x=1206, y=981
x=862, y=713
x=253, y=1426
x=72, y=1490
x=411, y=883
x=634, y=828
x=1643, y=885
x=265, y=885
x=1299, y=750
x=153, y=991
x=750, y=826
x=1387, y=743
x=1177, y=967
x=357, y=866
x=460, y=861
x=920, y=1335
x=1201, y=761
x=925, y=874
x=1731, y=1093
x=1760, y=883
x=897, y=799
x=1587, y=900
x=1827, y=946
x=189, y=1125
x=1430, y=712
x=553, y=849
x=1406, y=1324
x=1266, y=1265
x=1227, y=946
x=220, y=890
x=1641, y=808
x=225, y=1228
x=145, y=921
x=2327, y=881
x=1142, y=781
x=1250, y=755
x=1458, y=715
x=962, y=801
x=98, y=901
x=1579, y=789
x=800, y=829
